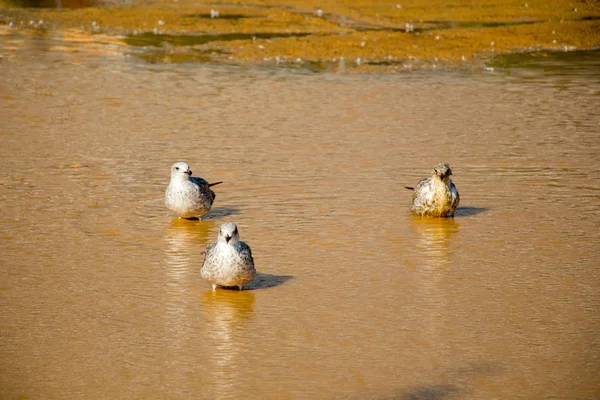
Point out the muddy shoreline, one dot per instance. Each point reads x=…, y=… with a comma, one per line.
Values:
x=338, y=36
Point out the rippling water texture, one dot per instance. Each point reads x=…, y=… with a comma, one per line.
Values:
x=101, y=295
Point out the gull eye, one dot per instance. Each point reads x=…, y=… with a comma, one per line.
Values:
x=177, y=168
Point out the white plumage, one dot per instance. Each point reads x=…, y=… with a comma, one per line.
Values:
x=188, y=196
x=228, y=261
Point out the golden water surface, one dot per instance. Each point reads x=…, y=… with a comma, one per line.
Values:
x=100, y=289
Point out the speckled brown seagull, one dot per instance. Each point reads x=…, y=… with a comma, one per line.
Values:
x=435, y=196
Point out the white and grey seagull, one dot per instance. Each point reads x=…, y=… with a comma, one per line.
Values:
x=435, y=196
x=228, y=261
x=188, y=196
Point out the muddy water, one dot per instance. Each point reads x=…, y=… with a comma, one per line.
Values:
x=101, y=295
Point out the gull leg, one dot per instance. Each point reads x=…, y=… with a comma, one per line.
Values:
x=214, y=287
x=240, y=287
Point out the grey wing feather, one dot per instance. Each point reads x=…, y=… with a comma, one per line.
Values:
x=455, y=194
x=198, y=181
x=204, y=187
x=246, y=252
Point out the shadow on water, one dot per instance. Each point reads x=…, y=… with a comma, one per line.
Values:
x=220, y=212
x=447, y=391
x=430, y=392
x=262, y=281
x=265, y=281
x=469, y=211
x=214, y=213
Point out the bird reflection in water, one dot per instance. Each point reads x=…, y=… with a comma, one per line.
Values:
x=227, y=313
x=432, y=286
x=433, y=238
x=187, y=240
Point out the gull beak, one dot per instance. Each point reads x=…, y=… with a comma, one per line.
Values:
x=189, y=172
x=227, y=238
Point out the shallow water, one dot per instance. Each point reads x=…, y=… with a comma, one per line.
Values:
x=101, y=295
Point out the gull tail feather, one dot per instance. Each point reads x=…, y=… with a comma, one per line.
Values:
x=213, y=184
x=409, y=188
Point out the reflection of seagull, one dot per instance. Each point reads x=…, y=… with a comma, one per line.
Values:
x=227, y=313
x=432, y=237
x=436, y=196
x=183, y=237
x=228, y=261
x=186, y=195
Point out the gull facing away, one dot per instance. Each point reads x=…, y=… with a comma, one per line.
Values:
x=435, y=196
x=228, y=261
x=188, y=196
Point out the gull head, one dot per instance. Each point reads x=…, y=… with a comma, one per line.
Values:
x=228, y=233
x=442, y=170
x=180, y=170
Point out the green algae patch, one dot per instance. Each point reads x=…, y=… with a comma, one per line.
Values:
x=152, y=39
x=541, y=59
x=332, y=35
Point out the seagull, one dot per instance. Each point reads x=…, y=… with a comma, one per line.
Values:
x=228, y=261
x=188, y=196
x=435, y=196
